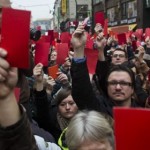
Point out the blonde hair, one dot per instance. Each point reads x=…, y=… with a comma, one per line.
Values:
x=88, y=126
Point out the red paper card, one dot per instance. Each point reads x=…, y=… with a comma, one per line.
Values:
x=51, y=34
x=147, y=32
x=106, y=27
x=15, y=34
x=89, y=44
x=44, y=38
x=99, y=18
x=62, y=52
x=56, y=35
x=92, y=56
x=41, y=53
x=65, y=37
x=140, y=33
x=17, y=93
x=52, y=71
x=132, y=128
x=122, y=38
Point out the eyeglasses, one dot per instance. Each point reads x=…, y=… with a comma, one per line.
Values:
x=118, y=55
x=121, y=83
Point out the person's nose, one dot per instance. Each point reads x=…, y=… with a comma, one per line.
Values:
x=67, y=106
x=118, y=57
x=118, y=86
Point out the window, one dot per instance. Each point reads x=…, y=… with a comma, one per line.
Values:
x=123, y=10
x=82, y=8
x=82, y=12
x=147, y=3
x=132, y=9
x=96, y=1
x=112, y=14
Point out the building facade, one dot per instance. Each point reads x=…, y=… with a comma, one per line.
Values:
x=69, y=12
x=123, y=14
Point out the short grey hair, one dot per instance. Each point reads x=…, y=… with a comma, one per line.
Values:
x=88, y=125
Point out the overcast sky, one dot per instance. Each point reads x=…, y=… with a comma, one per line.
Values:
x=39, y=8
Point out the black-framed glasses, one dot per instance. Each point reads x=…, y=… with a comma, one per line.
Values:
x=121, y=83
x=118, y=55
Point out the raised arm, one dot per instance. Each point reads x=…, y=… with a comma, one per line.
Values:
x=81, y=87
x=15, y=132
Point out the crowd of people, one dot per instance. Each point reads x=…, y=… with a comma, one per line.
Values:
x=73, y=111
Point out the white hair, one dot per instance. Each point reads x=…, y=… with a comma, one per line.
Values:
x=88, y=125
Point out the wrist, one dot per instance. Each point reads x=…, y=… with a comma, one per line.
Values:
x=39, y=86
x=79, y=53
x=9, y=110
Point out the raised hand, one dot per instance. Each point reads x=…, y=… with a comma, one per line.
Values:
x=98, y=28
x=62, y=78
x=79, y=37
x=8, y=76
x=100, y=41
x=38, y=72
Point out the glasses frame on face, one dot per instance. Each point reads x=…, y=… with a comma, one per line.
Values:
x=121, y=83
x=120, y=55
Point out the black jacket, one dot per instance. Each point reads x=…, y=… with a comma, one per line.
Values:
x=47, y=114
x=83, y=94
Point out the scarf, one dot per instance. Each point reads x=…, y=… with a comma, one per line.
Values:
x=63, y=123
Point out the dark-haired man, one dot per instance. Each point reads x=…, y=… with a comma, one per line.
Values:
x=119, y=82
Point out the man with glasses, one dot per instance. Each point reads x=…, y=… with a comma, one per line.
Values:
x=118, y=56
x=120, y=80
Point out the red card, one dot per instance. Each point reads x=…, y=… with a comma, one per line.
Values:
x=52, y=71
x=147, y=32
x=132, y=128
x=15, y=36
x=65, y=37
x=99, y=18
x=56, y=35
x=41, y=53
x=44, y=38
x=106, y=27
x=92, y=56
x=122, y=38
x=128, y=35
x=89, y=44
x=140, y=33
x=51, y=34
x=48, y=38
x=62, y=52
x=17, y=93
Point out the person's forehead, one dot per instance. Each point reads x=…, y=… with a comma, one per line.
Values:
x=118, y=52
x=68, y=99
x=5, y=3
x=119, y=75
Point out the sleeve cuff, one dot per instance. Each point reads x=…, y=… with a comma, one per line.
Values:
x=79, y=60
